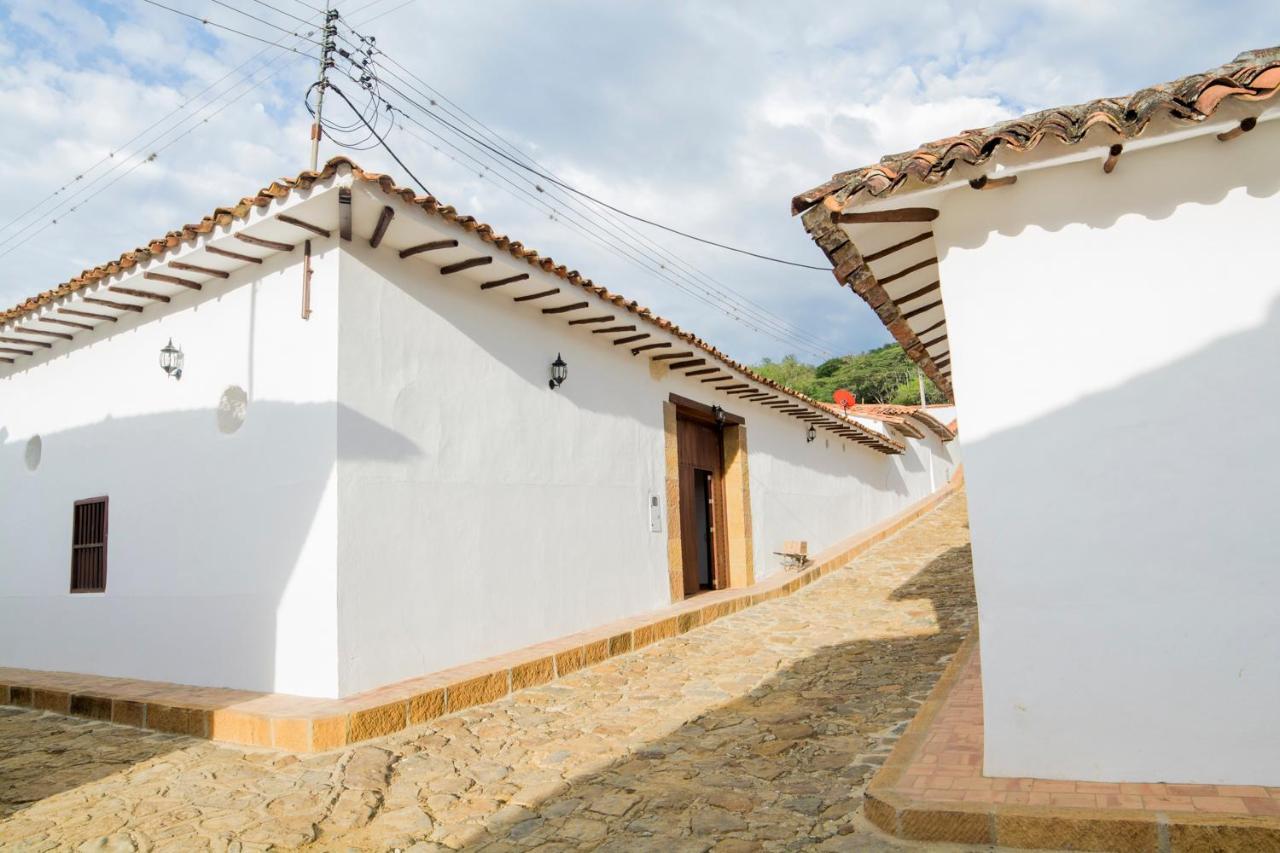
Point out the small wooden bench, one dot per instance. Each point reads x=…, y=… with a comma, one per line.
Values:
x=794, y=554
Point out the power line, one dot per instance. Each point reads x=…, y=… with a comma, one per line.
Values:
x=62, y=211
x=778, y=330
x=564, y=185
x=119, y=148
x=737, y=309
x=810, y=341
x=400, y=162
x=253, y=17
x=209, y=23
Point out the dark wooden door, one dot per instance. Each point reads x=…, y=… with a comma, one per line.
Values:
x=702, y=529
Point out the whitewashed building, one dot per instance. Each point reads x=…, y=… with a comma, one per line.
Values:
x=1100, y=284
x=363, y=473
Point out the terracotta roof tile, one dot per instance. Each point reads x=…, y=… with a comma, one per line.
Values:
x=304, y=180
x=1252, y=76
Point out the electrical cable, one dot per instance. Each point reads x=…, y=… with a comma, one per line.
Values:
x=209, y=23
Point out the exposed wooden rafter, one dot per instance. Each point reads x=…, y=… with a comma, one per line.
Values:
x=501, y=282
x=564, y=309
x=140, y=294
x=305, y=226
x=173, y=279
x=643, y=347
x=74, y=313
x=897, y=247
x=44, y=344
x=69, y=323
x=121, y=306
x=450, y=269
x=236, y=256
x=380, y=230
x=692, y=362
x=428, y=247
x=604, y=318
x=540, y=295
x=905, y=214
x=903, y=273
x=179, y=265
x=612, y=329
x=669, y=355
x=24, y=330
x=266, y=244
x=630, y=338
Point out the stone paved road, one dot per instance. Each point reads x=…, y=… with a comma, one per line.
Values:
x=757, y=732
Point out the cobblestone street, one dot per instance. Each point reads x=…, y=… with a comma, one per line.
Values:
x=757, y=732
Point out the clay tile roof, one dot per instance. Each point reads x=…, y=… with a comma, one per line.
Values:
x=1252, y=76
x=873, y=412
x=304, y=180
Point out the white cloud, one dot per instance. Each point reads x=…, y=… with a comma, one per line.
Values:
x=707, y=116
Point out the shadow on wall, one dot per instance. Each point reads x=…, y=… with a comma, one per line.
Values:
x=770, y=764
x=600, y=379
x=1126, y=548
x=1205, y=172
x=207, y=530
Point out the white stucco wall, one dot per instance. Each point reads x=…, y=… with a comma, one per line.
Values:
x=504, y=514
x=1113, y=341
x=221, y=546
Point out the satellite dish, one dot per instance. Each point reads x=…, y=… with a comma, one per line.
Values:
x=844, y=397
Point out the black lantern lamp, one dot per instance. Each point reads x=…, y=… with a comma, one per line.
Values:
x=811, y=434
x=718, y=414
x=171, y=360
x=559, y=370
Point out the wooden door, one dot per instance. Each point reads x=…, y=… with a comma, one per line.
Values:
x=703, y=536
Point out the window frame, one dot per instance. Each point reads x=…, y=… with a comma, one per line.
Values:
x=105, y=501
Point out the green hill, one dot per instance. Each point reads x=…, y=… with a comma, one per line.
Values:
x=882, y=375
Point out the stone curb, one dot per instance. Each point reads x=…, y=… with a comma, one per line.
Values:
x=300, y=724
x=1042, y=827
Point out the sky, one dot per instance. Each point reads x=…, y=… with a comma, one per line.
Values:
x=707, y=117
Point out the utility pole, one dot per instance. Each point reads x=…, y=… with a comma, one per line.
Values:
x=322, y=83
x=920, y=382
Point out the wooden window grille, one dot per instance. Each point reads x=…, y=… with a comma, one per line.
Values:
x=89, y=546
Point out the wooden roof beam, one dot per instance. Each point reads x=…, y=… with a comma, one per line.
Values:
x=235, y=256
x=986, y=182
x=450, y=269
x=905, y=214
x=564, y=309
x=680, y=365
x=266, y=244
x=903, y=273
x=612, y=329
x=718, y=379
x=1244, y=127
x=173, y=279
x=72, y=312
x=501, y=282
x=428, y=247
x=669, y=355
x=70, y=323
x=585, y=320
x=185, y=267
x=44, y=344
x=16, y=351
x=643, y=347
x=380, y=230
x=120, y=306
x=305, y=226
x=140, y=294
x=540, y=295
x=27, y=331
x=630, y=338
x=897, y=247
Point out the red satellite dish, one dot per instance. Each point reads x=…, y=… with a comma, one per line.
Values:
x=845, y=397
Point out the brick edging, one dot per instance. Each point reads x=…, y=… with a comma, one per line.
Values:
x=1052, y=827
x=317, y=725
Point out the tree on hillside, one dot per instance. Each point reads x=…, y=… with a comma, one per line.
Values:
x=881, y=375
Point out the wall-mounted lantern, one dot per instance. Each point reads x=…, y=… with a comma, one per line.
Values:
x=171, y=360
x=718, y=414
x=811, y=434
x=559, y=370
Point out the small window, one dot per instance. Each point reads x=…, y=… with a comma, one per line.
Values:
x=89, y=546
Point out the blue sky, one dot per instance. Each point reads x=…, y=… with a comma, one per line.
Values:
x=706, y=116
